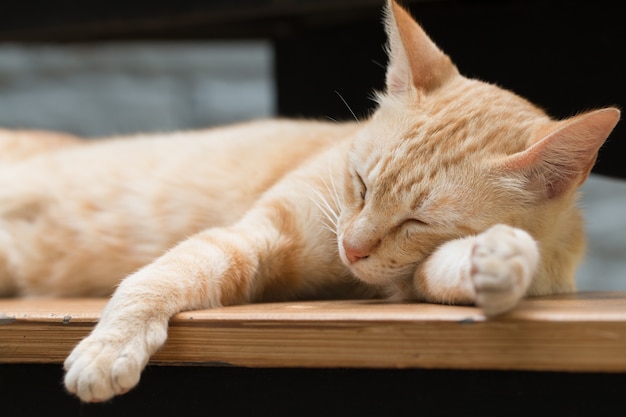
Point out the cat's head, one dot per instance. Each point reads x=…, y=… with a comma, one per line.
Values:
x=445, y=156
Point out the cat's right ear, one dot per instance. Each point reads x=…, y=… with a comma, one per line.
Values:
x=561, y=157
x=415, y=62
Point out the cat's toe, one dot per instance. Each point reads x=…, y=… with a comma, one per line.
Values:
x=502, y=265
x=99, y=369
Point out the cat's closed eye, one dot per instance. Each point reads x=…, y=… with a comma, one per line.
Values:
x=415, y=222
x=411, y=225
x=362, y=188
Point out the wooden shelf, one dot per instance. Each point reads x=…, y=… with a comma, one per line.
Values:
x=584, y=332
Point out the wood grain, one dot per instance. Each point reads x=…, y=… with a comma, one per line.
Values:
x=579, y=332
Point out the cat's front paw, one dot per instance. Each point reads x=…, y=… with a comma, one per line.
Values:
x=503, y=262
x=109, y=363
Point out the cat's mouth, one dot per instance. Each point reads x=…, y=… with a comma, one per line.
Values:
x=367, y=264
x=373, y=271
x=392, y=285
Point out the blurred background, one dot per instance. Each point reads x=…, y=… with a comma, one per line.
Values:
x=111, y=69
x=108, y=89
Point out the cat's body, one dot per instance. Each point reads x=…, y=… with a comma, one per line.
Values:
x=453, y=191
x=107, y=207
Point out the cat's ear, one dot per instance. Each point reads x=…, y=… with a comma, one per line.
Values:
x=562, y=155
x=414, y=60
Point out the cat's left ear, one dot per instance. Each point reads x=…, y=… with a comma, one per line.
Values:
x=562, y=155
x=414, y=59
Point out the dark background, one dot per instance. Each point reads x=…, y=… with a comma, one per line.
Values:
x=36, y=391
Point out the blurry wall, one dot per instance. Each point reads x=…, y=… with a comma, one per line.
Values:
x=604, y=207
x=109, y=89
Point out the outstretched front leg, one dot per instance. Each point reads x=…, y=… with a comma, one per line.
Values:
x=208, y=270
x=492, y=270
x=214, y=268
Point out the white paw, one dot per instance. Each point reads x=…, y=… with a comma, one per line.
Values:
x=108, y=363
x=503, y=262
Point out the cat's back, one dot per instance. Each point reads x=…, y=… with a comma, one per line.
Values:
x=283, y=139
x=19, y=145
x=280, y=139
x=222, y=170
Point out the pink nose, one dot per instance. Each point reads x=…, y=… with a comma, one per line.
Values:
x=355, y=253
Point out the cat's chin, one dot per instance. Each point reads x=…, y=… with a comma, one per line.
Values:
x=372, y=273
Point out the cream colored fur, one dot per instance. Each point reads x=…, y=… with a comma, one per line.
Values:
x=453, y=191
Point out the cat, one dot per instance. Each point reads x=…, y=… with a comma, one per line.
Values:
x=453, y=191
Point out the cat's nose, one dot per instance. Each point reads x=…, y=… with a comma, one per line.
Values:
x=355, y=253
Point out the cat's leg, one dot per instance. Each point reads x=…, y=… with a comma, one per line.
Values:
x=492, y=270
x=213, y=268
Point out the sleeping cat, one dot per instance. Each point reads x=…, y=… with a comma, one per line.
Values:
x=453, y=191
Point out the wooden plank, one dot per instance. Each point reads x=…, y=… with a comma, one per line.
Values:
x=580, y=332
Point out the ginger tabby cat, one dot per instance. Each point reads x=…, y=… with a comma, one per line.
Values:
x=453, y=191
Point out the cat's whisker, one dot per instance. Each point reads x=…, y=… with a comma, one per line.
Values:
x=334, y=193
x=328, y=208
x=332, y=190
x=329, y=218
x=348, y=106
x=333, y=213
x=378, y=64
x=330, y=228
x=328, y=211
x=326, y=220
x=325, y=216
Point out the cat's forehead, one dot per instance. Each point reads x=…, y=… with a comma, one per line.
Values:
x=441, y=145
x=474, y=120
